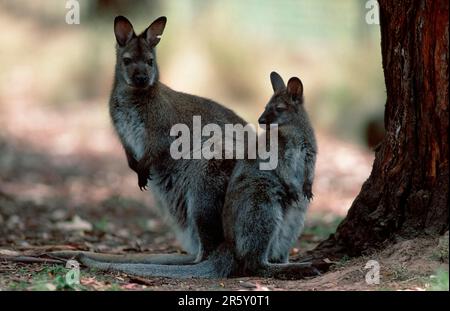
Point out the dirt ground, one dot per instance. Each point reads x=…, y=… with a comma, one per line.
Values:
x=64, y=184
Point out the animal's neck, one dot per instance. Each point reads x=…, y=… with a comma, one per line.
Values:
x=290, y=154
x=290, y=136
x=138, y=114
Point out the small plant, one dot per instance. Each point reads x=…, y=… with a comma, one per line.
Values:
x=400, y=273
x=115, y=287
x=439, y=281
x=102, y=225
x=19, y=286
x=50, y=278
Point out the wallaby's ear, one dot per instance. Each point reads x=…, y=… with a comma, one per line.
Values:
x=155, y=30
x=295, y=88
x=277, y=82
x=123, y=30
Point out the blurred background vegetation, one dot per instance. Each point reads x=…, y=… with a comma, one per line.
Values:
x=60, y=161
x=224, y=50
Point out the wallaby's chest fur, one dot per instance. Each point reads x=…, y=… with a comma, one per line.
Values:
x=283, y=184
x=130, y=125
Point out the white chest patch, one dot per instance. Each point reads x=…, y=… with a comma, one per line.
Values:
x=131, y=129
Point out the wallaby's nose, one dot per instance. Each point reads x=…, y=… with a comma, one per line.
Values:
x=141, y=80
x=262, y=120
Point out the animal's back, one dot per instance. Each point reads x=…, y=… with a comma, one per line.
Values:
x=188, y=105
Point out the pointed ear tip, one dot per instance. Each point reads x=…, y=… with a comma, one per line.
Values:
x=274, y=73
x=162, y=19
x=122, y=20
x=119, y=18
x=295, y=79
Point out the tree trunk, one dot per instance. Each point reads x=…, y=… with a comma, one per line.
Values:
x=407, y=192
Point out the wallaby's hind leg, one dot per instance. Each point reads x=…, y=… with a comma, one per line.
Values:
x=288, y=234
x=258, y=233
x=206, y=207
x=165, y=259
x=256, y=227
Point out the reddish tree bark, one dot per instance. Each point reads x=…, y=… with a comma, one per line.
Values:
x=407, y=191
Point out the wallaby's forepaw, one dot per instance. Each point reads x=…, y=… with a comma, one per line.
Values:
x=307, y=191
x=142, y=181
x=143, y=172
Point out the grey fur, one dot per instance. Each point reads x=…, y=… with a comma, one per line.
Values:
x=245, y=230
x=264, y=211
x=190, y=192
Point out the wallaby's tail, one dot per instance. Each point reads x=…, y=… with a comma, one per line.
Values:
x=217, y=265
x=160, y=259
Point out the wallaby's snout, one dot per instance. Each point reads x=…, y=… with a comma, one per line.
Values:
x=271, y=116
x=267, y=117
x=262, y=119
x=141, y=80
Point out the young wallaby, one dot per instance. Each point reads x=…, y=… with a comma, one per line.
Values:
x=264, y=210
x=190, y=192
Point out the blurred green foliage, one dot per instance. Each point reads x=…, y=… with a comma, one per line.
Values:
x=439, y=281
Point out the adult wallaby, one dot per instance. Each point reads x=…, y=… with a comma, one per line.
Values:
x=190, y=192
x=264, y=210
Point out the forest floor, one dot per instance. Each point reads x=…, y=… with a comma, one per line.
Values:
x=65, y=185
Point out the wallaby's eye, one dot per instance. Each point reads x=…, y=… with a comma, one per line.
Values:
x=279, y=109
x=126, y=61
x=150, y=62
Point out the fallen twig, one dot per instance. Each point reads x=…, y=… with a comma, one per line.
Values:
x=139, y=280
x=48, y=247
x=28, y=259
